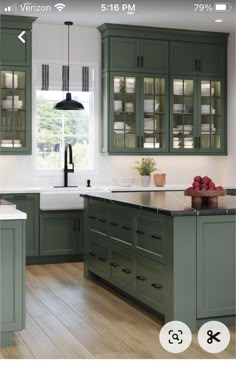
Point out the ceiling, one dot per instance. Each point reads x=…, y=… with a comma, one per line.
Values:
x=157, y=13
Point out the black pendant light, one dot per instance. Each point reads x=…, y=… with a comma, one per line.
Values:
x=68, y=103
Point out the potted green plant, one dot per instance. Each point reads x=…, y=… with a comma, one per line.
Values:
x=145, y=167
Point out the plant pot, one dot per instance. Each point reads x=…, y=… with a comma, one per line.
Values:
x=160, y=179
x=145, y=180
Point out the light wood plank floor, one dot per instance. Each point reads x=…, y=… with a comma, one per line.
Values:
x=68, y=317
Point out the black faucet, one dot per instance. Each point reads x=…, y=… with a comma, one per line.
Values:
x=66, y=169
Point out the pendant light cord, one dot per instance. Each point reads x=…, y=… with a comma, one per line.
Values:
x=68, y=57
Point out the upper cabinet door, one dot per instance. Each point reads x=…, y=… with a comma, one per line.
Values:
x=211, y=60
x=13, y=51
x=183, y=56
x=154, y=56
x=124, y=54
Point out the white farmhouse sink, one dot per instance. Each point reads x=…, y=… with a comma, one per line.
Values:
x=67, y=198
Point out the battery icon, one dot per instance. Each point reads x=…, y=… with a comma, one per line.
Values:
x=222, y=7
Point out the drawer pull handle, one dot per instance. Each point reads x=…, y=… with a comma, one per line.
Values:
x=126, y=228
x=140, y=232
x=156, y=285
x=156, y=237
x=102, y=220
x=140, y=278
x=115, y=265
x=92, y=254
x=102, y=259
x=92, y=217
x=114, y=224
x=127, y=271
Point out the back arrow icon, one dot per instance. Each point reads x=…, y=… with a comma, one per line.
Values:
x=20, y=36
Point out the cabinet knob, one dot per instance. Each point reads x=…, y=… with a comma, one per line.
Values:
x=156, y=237
x=92, y=217
x=156, y=285
x=114, y=224
x=127, y=271
x=115, y=265
x=92, y=254
x=126, y=228
x=102, y=220
x=140, y=232
x=138, y=59
x=102, y=259
x=141, y=278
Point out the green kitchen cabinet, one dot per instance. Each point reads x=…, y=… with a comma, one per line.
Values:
x=197, y=59
x=29, y=204
x=60, y=233
x=123, y=269
x=97, y=256
x=216, y=247
x=16, y=86
x=197, y=115
x=149, y=107
x=138, y=113
x=138, y=55
x=231, y=191
x=12, y=279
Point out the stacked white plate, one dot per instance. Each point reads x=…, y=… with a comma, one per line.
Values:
x=11, y=143
x=148, y=106
x=117, y=85
x=207, y=109
x=129, y=107
x=176, y=142
x=179, y=87
x=148, y=123
x=119, y=125
x=130, y=85
x=118, y=105
x=179, y=108
x=188, y=142
x=207, y=128
x=206, y=89
x=12, y=103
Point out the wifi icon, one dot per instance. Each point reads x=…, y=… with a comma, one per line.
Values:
x=60, y=6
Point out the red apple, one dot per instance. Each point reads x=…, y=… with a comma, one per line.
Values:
x=197, y=179
x=219, y=188
x=211, y=184
x=190, y=188
x=206, y=180
x=195, y=184
x=204, y=187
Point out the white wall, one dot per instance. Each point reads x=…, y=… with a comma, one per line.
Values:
x=50, y=44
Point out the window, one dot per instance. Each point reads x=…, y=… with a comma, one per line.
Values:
x=56, y=128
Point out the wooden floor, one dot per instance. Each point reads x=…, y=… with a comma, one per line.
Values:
x=68, y=317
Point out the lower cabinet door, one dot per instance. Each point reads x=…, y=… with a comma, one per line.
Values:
x=150, y=283
x=60, y=233
x=12, y=275
x=29, y=204
x=98, y=257
x=122, y=268
x=216, y=275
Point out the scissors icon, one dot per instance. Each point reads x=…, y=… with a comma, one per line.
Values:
x=175, y=336
x=212, y=337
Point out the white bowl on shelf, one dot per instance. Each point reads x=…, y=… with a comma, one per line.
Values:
x=125, y=181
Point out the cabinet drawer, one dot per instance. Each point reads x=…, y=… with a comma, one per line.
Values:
x=122, y=267
x=150, y=235
x=97, y=257
x=97, y=218
x=121, y=226
x=150, y=282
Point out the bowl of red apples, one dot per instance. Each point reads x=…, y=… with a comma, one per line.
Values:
x=204, y=192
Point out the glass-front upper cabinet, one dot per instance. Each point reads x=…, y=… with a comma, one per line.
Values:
x=124, y=114
x=14, y=112
x=154, y=125
x=210, y=132
x=183, y=112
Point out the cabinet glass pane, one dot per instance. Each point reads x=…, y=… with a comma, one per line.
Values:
x=124, y=115
x=210, y=114
x=183, y=114
x=13, y=109
x=154, y=113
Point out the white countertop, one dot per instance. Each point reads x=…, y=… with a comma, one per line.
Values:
x=9, y=212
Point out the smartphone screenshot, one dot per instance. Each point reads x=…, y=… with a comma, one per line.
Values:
x=117, y=182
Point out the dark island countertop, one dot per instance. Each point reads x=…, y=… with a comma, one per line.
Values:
x=173, y=203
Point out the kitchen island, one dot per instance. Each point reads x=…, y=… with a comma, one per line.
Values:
x=12, y=271
x=172, y=258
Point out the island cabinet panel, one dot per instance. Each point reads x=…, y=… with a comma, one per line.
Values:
x=150, y=236
x=60, y=233
x=12, y=278
x=121, y=227
x=97, y=219
x=122, y=269
x=150, y=283
x=216, y=285
x=97, y=256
